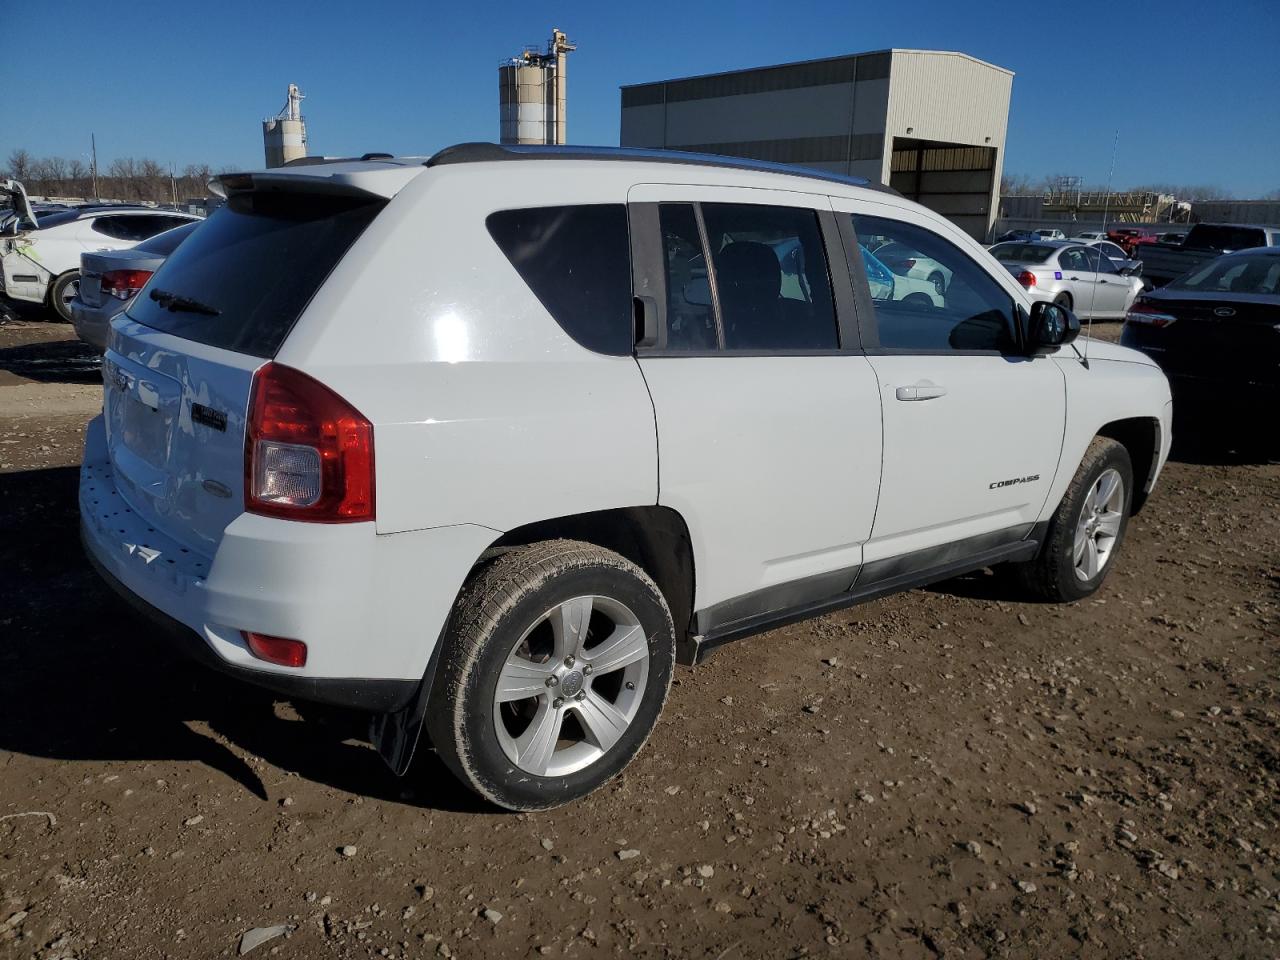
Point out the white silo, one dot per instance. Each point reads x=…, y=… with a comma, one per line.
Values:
x=531, y=94
x=284, y=136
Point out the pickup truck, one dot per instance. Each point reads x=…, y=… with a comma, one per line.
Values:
x=1162, y=262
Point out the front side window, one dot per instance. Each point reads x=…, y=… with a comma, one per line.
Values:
x=577, y=262
x=969, y=311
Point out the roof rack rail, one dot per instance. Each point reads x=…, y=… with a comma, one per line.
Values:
x=484, y=152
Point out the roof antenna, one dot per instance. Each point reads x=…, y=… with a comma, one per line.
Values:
x=1106, y=203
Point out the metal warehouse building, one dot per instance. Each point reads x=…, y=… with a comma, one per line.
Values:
x=929, y=123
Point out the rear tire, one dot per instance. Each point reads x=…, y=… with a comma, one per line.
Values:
x=61, y=292
x=556, y=664
x=1086, y=530
x=1063, y=300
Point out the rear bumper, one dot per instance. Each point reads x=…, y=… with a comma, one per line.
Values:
x=370, y=608
x=92, y=324
x=377, y=696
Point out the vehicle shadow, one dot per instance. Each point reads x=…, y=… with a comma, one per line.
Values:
x=83, y=677
x=54, y=361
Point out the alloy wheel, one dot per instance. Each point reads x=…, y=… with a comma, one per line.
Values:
x=1098, y=529
x=571, y=686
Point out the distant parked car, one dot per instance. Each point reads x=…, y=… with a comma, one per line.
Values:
x=40, y=253
x=1174, y=238
x=1214, y=333
x=1013, y=235
x=1130, y=237
x=1047, y=234
x=1088, y=236
x=884, y=284
x=109, y=281
x=1070, y=274
x=906, y=262
x=1162, y=262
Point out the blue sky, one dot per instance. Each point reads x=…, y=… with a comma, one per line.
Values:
x=1193, y=87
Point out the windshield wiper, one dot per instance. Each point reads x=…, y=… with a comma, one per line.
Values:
x=173, y=301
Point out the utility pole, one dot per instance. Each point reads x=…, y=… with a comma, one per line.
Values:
x=94, y=143
x=173, y=183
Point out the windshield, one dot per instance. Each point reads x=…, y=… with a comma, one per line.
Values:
x=243, y=279
x=1022, y=252
x=1256, y=274
x=1205, y=236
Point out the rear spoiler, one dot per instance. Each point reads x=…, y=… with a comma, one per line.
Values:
x=349, y=179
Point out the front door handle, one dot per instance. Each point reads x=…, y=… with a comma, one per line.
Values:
x=920, y=391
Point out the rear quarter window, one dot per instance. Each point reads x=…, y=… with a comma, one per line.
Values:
x=577, y=262
x=254, y=265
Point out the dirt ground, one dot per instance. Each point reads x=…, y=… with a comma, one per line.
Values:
x=948, y=772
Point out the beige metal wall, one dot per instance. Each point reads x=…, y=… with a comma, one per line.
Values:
x=844, y=115
x=948, y=101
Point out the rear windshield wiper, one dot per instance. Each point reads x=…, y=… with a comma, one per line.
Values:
x=173, y=301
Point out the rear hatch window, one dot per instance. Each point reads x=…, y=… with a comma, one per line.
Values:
x=241, y=281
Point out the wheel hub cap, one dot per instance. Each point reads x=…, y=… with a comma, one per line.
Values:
x=571, y=683
x=571, y=687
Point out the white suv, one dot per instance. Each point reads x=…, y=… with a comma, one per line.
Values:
x=486, y=444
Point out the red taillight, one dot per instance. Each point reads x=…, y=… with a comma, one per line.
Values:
x=287, y=653
x=1148, y=315
x=1027, y=279
x=308, y=453
x=123, y=284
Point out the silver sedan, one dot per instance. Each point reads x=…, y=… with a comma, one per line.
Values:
x=1076, y=276
x=109, y=280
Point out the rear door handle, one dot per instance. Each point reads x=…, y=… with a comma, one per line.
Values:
x=920, y=391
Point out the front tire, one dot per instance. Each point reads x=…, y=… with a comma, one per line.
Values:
x=62, y=291
x=1086, y=530
x=556, y=664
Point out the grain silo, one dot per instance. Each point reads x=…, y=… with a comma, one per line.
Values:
x=284, y=136
x=531, y=93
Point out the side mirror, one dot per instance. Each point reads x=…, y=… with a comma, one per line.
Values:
x=1052, y=325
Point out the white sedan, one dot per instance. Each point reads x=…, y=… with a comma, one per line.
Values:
x=905, y=262
x=40, y=253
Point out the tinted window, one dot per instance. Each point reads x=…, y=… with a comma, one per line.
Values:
x=577, y=262
x=257, y=261
x=163, y=244
x=771, y=280
x=974, y=312
x=1248, y=274
x=1072, y=258
x=691, y=323
x=118, y=228
x=1022, y=252
x=1096, y=261
x=1209, y=237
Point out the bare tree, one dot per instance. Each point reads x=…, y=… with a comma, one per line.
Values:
x=19, y=164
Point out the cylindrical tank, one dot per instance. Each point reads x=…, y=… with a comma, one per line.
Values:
x=526, y=99
x=283, y=140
